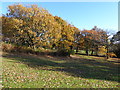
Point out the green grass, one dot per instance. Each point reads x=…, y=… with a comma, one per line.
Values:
x=31, y=71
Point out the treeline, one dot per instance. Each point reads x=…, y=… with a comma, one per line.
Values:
x=34, y=27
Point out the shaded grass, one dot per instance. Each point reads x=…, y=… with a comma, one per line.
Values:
x=24, y=71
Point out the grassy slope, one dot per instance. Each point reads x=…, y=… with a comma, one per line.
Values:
x=30, y=71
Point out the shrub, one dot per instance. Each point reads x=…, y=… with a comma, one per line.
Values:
x=63, y=52
x=13, y=48
x=40, y=49
x=7, y=47
x=111, y=55
x=71, y=52
x=16, y=49
x=25, y=49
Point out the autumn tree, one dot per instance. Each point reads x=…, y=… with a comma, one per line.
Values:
x=31, y=26
x=35, y=27
x=78, y=40
x=93, y=39
x=67, y=33
x=87, y=40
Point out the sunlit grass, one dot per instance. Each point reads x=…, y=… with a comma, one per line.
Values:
x=30, y=71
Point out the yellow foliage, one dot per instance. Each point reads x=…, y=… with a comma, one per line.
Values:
x=31, y=22
x=102, y=50
x=111, y=55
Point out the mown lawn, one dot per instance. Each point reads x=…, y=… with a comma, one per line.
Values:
x=79, y=71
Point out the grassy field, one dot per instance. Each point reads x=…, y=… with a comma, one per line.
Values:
x=78, y=71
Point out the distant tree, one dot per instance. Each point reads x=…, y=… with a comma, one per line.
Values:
x=93, y=39
x=115, y=44
x=90, y=39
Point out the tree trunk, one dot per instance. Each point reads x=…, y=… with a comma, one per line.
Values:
x=96, y=52
x=107, y=47
x=92, y=52
x=87, y=52
x=107, y=56
x=71, y=47
x=77, y=49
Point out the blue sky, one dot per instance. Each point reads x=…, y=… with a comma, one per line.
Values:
x=84, y=15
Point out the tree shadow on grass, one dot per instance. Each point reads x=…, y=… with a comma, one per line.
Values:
x=77, y=67
x=30, y=60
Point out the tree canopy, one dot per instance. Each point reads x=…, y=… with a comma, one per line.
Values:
x=35, y=27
